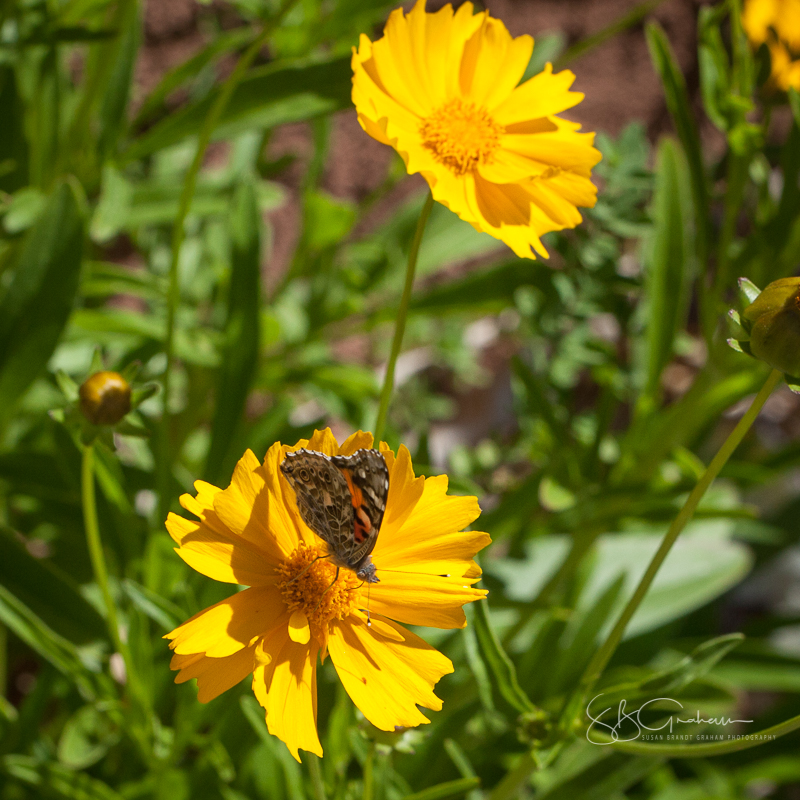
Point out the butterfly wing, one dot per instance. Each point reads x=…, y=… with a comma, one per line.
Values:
x=368, y=481
x=323, y=498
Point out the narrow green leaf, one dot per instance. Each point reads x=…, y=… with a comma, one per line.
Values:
x=47, y=592
x=45, y=641
x=680, y=109
x=448, y=789
x=223, y=43
x=38, y=302
x=668, y=260
x=13, y=144
x=114, y=102
x=153, y=605
x=501, y=668
x=269, y=96
x=54, y=780
x=241, y=346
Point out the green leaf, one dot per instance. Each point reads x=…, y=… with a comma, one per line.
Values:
x=239, y=357
x=47, y=592
x=87, y=736
x=13, y=144
x=45, y=641
x=680, y=109
x=37, y=304
x=444, y=790
x=271, y=95
x=714, y=66
x=172, y=80
x=54, y=780
x=114, y=102
x=501, y=668
x=794, y=104
x=668, y=260
x=153, y=605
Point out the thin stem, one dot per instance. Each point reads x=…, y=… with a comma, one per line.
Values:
x=601, y=658
x=96, y=548
x=316, y=777
x=3, y=659
x=178, y=233
x=400, y=322
x=100, y=571
x=368, y=791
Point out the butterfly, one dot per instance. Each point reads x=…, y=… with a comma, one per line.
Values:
x=343, y=500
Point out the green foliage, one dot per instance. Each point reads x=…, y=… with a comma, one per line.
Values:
x=586, y=396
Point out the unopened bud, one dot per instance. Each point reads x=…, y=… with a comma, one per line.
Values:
x=773, y=322
x=105, y=398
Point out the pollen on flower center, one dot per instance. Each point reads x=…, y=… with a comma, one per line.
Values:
x=310, y=589
x=461, y=135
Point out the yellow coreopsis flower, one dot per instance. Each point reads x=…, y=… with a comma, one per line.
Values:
x=442, y=90
x=252, y=534
x=777, y=22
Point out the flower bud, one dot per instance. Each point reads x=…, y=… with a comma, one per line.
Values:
x=773, y=321
x=105, y=398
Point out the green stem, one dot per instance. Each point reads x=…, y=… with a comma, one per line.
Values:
x=178, y=233
x=705, y=750
x=100, y=571
x=400, y=322
x=601, y=658
x=316, y=777
x=368, y=790
x=3, y=659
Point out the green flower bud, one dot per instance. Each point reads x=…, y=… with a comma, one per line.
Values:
x=773, y=323
x=105, y=398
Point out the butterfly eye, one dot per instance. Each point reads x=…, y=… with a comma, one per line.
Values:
x=304, y=476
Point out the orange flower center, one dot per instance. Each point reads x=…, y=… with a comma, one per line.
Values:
x=461, y=135
x=307, y=585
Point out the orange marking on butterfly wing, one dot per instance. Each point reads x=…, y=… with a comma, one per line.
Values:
x=362, y=525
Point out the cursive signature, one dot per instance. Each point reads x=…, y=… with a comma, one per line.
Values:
x=634, y=717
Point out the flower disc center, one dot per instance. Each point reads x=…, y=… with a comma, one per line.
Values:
x=461, y=135
x=307, y=585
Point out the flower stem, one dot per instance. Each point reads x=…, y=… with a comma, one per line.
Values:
x=368, y=789
x=601, y=658
x=400, y=322
x=178, y=234
x=100, y=571
x=316, y=777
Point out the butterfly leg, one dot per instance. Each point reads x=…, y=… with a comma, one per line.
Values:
x=306, y=568
x=336, y=578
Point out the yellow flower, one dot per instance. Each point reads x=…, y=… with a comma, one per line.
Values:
x=777, y=22
x=442, y=90
x=251, y=534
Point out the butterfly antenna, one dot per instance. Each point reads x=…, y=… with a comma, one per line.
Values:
x=369, y=619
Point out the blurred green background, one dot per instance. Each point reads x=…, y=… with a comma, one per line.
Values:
x=578, y=398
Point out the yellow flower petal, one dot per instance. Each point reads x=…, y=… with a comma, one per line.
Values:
x=220, y=558
x=387, y=680
x=357, y=441
x=214, y=675
x=404, y=490
x=493, y=63
x=298, y=627
x=245, y=508
x=434, y=601
x=230, y=625
x=543, y=95
x=288, y=691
